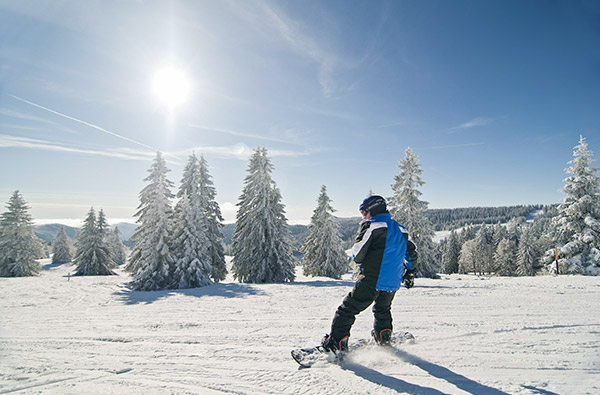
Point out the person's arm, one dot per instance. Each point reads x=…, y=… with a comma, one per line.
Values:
x=411, y=253
x=410, y=260
x=362, y=243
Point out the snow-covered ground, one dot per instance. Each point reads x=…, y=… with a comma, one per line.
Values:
x=91, y=335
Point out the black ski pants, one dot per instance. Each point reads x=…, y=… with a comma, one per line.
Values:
x=362, y=296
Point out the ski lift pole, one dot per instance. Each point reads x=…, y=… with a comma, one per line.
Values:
x=556, y=258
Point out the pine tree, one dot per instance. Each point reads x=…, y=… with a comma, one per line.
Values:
x=191, y=244
x=505, y=257
x=323, y=251
x=451, y=254
x=499, y=233
x=19, y=247
x=93, y=256
x=528, y=256
x=261, y=245
x=467, y=262
x=468, y=233
x=578, y=223
x=118, y=250
x=485, y=250
x=61, y=248
x=196, y=181
x=409, y=211
x=542, y=230
x=192, y=262
x=151, y=261
x=214, y=222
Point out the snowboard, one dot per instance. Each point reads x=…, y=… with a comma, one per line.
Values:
x=307, y=357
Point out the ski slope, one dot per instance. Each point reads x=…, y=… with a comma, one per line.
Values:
x=475, y=335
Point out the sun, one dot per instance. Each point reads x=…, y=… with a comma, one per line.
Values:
x=171, y=85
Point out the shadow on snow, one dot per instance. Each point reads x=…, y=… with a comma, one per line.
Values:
x=434, y=370
x=350, y=283
x=446, y=374
x=224, y=290
x=51, y=266
x=431, y=286
x=324, y=283
x=389, y=381
x=539, y=390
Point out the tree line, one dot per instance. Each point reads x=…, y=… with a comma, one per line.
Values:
x=515, y=248
x=561, y=239
x=179, y=238
x=455, y=218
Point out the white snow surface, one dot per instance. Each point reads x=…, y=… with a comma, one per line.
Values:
x=474, y=335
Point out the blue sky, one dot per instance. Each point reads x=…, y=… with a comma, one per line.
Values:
x=491, y=95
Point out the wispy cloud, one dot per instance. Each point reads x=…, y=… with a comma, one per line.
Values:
x=329, y=113
x=238, y=133
x=396, y=124
x=238, y=151
x=452, y=146
x=274, y=22
x=22, y=116
x=91, y=125
x=305, y=45
x=479, y=121
x=7, y=141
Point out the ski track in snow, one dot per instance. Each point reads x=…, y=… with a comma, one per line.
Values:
x=475, y=335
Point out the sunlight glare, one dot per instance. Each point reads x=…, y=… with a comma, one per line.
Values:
x=171, y=85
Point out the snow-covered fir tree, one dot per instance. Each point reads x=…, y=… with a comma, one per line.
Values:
x=19, y=247
x=190, y=243
x=192, y=262
x=407, y=208
x=542, y=227
x=93, y=256
x=467, y=262
x=499, y=233
x=323, y=251
x=528, y=256
x=505, y=257
x=450, y=254
x=261, y=243
x=467, y=234
x=214, y=221
x=485, y=249
x=61, y=247
x=152, y=259
x=118, y=249
x=578, y=222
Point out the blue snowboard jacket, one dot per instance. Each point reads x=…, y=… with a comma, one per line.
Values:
x=383, y=249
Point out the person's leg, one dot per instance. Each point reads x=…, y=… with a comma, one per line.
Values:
x=356, y=301
x=382, y=310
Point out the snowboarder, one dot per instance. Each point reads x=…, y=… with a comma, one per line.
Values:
x=386, y=255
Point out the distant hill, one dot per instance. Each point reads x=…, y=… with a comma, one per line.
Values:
x=47, y=232
x=454, y=218
x=348, y=229
x=126, y=228
x=442, y=219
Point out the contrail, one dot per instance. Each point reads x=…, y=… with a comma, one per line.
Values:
x=454, y=146
x=88, y=124
x=239, y=134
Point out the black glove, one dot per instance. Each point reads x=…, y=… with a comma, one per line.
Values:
x=409, y=278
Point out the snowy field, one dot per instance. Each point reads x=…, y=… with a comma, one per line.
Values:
x=91, y=335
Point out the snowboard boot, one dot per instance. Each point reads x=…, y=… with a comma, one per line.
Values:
x=382, y=337
x=335, y=346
